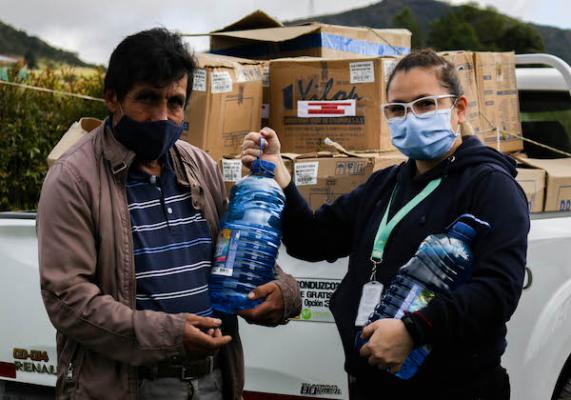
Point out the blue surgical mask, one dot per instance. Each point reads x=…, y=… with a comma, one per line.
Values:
x=424, y=138
x=149, y=140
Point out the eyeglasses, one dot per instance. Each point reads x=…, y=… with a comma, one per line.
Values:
x=425, y=107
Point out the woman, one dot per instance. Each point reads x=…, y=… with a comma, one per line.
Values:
x=465, y=328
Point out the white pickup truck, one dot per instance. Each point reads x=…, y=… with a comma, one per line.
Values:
x=304, y=360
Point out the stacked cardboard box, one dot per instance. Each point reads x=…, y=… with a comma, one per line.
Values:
x=557, y=174
x=314, y=98
x=532, y=181
x=322, y=177
x=225, y=105
x=489, y=83
x=464, y=63
x=259, y=36
x=499, y=102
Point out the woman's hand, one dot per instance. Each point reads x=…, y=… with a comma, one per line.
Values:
x=389, y=344
x=271, y=152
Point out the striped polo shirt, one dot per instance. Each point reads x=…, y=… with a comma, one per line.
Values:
x=172, y=244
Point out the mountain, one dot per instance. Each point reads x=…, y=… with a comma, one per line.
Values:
x=380, y=15
x=18, y=43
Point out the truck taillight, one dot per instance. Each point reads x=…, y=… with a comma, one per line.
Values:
x=7, y=370
x=272, y=396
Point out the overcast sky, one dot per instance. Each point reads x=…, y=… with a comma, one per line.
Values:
x=94, y=28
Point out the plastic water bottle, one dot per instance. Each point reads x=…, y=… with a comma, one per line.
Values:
x=442, y=263
x=249, y=240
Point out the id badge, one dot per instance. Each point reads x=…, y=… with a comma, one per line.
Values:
x=370, y=297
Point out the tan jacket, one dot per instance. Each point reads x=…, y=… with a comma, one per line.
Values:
x=88, y=274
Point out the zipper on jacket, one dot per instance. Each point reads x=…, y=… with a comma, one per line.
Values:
x=69, y=374
x=127, y=216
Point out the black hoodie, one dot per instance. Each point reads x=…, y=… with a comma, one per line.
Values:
x=466, y=328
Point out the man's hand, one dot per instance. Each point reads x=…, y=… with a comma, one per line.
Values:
x=251, y=151
x=271, y=311
x=202, y=335
x=389, y=344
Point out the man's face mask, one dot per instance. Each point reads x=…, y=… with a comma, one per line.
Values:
x=424, y=134
x=149, y=140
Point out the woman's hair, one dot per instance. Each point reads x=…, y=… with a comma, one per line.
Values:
x=429, y=59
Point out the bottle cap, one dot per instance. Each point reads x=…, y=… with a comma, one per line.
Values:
x=466, y=227
x=462, y=231
x=263, y=167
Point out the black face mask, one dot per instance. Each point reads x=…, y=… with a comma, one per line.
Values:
x=149, y=140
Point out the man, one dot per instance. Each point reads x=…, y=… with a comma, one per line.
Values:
x=126, y=224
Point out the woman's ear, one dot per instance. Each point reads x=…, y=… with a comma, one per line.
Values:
x=461, y=109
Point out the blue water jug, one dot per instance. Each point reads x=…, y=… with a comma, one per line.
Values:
x=249, y=240
x=442, y=263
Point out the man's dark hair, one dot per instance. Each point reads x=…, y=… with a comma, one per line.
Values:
x=428, y=58
x=155, y=56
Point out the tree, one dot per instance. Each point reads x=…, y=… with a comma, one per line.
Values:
x=489, y=26
x=521, y=38
x=31, y=60
x=452, y=33
x=406, y=19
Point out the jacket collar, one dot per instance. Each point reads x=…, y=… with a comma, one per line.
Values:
x=119, y=157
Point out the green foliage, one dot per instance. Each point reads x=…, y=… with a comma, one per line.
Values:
x=523, y=38
x=32, y=122
x=31, y=59
x=469, y=27
x=406, y=19
x=453, y=33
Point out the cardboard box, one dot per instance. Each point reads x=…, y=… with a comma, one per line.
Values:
x=315, y=98
x=322, y=177
x=500, y=125
x=464, y=63
x=225, y=105
x=532, y=181
x=385, y=160
x=558, y=191
x=258, y=36
x=75, y=132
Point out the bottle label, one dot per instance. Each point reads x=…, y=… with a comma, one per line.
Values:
x=418, y=297
x=226, y=249
x=370, y=297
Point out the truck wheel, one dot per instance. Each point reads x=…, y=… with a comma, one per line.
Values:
x=565, y=392
x=22, y=391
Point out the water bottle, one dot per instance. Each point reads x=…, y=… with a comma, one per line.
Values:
x=249, y=239
x=442, y=263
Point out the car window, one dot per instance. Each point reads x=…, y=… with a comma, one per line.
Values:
x=546, y=118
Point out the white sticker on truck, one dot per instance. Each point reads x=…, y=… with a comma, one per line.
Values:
x=315, y=296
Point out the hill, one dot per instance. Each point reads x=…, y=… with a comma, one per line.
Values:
x=14, y=42
x=427, y=12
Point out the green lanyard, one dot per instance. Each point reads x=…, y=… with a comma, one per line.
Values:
x=386, y=228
